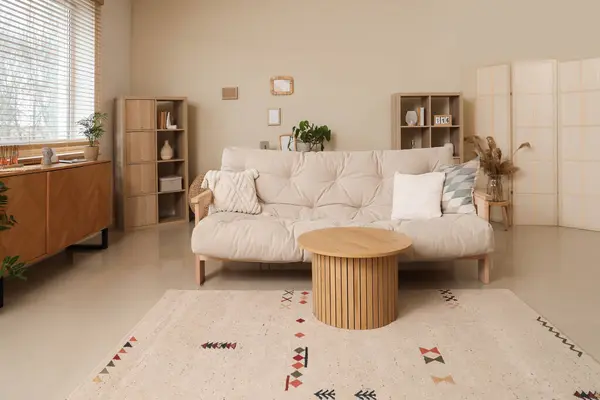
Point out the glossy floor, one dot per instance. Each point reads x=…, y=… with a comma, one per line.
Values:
x=74, y=309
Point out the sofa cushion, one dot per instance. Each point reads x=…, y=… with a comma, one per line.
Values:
x=459, y=185
x=233, y=191
x=358, y=184
x=418, y=196
x=270, y=239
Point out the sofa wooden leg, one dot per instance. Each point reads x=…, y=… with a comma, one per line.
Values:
x=485, y=265
x=200, y=271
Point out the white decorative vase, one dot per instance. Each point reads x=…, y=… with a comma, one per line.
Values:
x=166, y=153
x=411, y=118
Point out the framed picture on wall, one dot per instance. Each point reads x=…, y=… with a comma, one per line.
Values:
x=282, y=85
x=287, y=143
x=274, y=117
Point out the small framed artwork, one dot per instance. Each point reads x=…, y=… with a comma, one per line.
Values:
x=442, y=120
x=229, y=93
x=282, y=85
x=274, y=117
x=287, y=143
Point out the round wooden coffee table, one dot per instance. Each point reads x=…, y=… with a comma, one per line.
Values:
x=355, y=275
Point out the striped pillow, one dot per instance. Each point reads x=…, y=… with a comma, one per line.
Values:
x=457, y=196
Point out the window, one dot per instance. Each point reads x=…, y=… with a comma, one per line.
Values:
x=48, y=52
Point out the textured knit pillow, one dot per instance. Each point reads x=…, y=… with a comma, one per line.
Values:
x=232, y=191
x=457, y=196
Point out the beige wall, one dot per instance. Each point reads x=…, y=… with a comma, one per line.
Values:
x=116, y=51
x=347, y=57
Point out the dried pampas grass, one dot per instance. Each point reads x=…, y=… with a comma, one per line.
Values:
x=491, y=158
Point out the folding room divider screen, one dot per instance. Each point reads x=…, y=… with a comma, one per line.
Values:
x=519, y=102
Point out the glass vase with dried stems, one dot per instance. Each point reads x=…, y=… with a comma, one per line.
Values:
x=494, y=166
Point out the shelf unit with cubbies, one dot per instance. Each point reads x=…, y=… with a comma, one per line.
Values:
x=428, y=134
x=140, y=136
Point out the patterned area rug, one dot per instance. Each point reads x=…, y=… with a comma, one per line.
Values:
x=446, y=344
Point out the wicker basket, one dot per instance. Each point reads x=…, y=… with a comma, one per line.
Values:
x=195, y=190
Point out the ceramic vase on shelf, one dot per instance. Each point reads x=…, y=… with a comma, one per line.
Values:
x=411, y=118
x=494, y=187
x=166, y=153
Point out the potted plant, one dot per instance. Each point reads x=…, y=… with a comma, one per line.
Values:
x=493, y=165
x=10, y=267
x=91, y=127
x=311, y=136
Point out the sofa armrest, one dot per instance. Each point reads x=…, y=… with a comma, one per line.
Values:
x=482, y=204
x=201, y=203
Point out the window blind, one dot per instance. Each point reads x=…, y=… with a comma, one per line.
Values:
x=48, y=69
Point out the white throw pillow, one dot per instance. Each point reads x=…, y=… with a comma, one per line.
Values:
x=418, y=196
x=232, y=191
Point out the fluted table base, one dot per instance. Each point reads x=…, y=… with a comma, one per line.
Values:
x=355, y=293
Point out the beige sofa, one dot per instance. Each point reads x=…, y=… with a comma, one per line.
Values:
x=300, y=192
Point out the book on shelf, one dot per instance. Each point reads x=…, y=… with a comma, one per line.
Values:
x=421, y=114
x=162, y=120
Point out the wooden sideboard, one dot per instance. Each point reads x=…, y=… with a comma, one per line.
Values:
x=55, y=207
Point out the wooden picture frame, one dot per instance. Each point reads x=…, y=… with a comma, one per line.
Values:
x=442, y=120
x=229, y=93
x=274, y=117
x=282, y=85
x=284, y=140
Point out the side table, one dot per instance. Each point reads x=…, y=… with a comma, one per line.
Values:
x=482, y=200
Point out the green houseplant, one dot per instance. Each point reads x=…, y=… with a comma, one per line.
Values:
x=311, y=135
x=11, y=267
x=92, y=128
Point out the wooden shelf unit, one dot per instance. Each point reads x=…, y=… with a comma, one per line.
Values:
x=428, y=135
x=138, y=166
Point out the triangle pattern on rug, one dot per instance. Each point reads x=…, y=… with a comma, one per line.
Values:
x=110, y=364
x=587, y=396
x=97, y=379
x=104, y=371
x=439, y=359
x=127, y=345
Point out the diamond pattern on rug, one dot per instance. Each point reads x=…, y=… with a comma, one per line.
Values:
x=366, y=395
x=300, y=320
x=296, y=374
x=298, y=365
x=303, y=298
x=557, y=334
x=299, y=335
x=587, y=396
x=295, y=383
x=447, y=379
